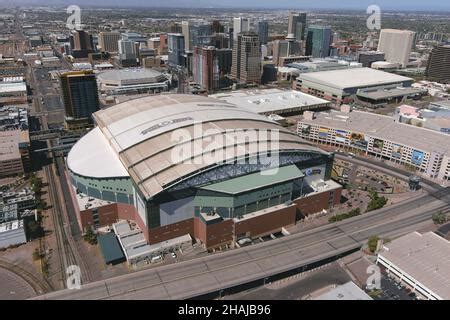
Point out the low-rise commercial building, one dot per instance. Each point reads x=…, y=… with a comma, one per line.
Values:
x=341, y=86
x=13, y=92
x=132, y=81
x=319, y=65
x=421, y=262
x=425, y=150
x=14, y=152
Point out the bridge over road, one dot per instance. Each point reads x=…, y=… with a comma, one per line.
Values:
x=202, y=276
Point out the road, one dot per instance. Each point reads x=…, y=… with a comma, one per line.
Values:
x=189, y=279
x=300, y=288
x=47, y=103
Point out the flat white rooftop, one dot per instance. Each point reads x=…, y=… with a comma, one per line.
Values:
x=12, y=87
x=11, y=225
x=86, y=202
x=425, y=257
x=353, y=78
x=348, y=291
x=129, y=74
x=271, y=100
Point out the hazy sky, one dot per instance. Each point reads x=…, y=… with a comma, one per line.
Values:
x=431, y=5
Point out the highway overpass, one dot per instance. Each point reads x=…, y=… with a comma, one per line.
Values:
x=211, y=274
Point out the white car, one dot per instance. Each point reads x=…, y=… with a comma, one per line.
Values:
x=173, y=255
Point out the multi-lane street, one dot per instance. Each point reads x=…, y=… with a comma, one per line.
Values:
x=220, y=271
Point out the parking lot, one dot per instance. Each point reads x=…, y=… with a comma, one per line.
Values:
x=393, y=290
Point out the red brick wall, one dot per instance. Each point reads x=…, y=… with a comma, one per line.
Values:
x=267, y=223
x=126, y=211
x=199, y=230
x=170, y=231
x=317, y=202
x=218, y=233
x=107, y=215
x=337, y=196
x=141, y=224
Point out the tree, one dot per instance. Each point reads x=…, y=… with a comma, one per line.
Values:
x=90, y=236
x=340, y=217
x=373, y=243
x=376, y=202
x=35, y=229
x=439, y=218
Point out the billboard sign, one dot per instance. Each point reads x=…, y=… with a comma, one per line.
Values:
x=323, y=132
x=341, y=136
x=358, y=140
x=397, y=151
x=377, y=145
x=417, y=157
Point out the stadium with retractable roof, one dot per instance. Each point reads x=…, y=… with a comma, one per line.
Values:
x=188, y=164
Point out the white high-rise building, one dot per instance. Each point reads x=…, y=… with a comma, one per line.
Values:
x=240, y=25
x=397, y=45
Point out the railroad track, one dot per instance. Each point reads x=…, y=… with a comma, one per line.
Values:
x=67, y=247
x=39, y=286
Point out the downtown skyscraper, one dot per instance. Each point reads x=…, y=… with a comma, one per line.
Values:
x=246, y=64
x=297, y=25
x=397, y=45
x=80, y=97
x=318, y=41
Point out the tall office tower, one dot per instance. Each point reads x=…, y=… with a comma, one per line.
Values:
x=230, y=37
x=246, y=63
x=240, y=25
x=108, y=41
x=369, y=57
x=201, y=35
x=128, y=53
x=193, y=33
x=175, y=27
x=163, y=44
x=127, y=49
x=135, y=37
x=210, y=65
x=397, y=45
x=438, y=67
x=262, y=28
x=186, y=31
x=81, y=44
x=284, y=48
x=297, y=25
x=175, y=47
x=217, y=27
x=318, y=41
x=80, y=97
x=280, y=49
x=220, y=41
